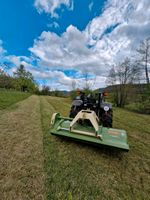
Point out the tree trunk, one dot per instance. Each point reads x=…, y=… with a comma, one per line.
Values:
x=146, y=69
x=146, y=72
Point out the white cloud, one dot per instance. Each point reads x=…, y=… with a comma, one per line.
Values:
x=58, y=80
x=2, y=50
x=53, y=25
x=55, y=79
x=50, y=6
x=107, y=39
x=70, y=50
x=91, y=5
x=132, y=21
x=16, y=61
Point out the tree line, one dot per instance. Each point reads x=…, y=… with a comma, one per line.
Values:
x=21, y=80
x=132, y=72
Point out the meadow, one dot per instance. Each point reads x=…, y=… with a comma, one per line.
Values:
x=9, y=97
x=38, y=165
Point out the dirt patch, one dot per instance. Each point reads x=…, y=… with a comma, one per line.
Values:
x=21, y=152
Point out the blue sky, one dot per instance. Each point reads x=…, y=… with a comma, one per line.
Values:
x=21, y=23
x=61, y=40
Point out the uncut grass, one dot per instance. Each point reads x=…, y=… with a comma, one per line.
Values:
x=21, y=154
x=8, y=97
x=80, y=171
x=61, y=105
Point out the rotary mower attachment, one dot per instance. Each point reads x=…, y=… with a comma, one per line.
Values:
x=85, y=127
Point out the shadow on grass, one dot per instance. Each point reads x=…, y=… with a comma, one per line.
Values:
x=109, y=151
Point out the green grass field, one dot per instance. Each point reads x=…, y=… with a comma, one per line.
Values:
x=8, y=98
x=38, y=165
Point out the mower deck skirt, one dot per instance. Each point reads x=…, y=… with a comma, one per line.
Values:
x=105, y=136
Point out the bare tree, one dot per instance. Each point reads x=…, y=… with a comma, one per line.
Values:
x=73, y=85
x=45, y=90
x=144, y=54
x=73, y=89
x=120, y=77
x=89, y=81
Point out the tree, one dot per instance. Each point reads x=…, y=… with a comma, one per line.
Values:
x=89, y=81
x=45, y=90
x=144, y=56
x=22, y=73
x=73, y=85
x=73, y=89
x=24, y=80
x=6, y=81
x=120, y=77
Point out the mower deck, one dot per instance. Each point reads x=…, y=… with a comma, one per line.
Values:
x=104, y=136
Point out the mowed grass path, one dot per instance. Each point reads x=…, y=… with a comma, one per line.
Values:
x=38, y=165
x=21, y=151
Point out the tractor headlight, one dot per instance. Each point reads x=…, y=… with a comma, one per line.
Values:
x=106, y=108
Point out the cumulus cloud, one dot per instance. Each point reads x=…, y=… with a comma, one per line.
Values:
x=59, y=80
x=50, y=6
x=107, y=39
x=69, y=51
x=55, y=79
x=122, y=25
x=9, y=63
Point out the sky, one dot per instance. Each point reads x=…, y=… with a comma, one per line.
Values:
x=59, y=41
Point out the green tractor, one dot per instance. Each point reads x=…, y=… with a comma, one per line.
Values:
x=90, y=120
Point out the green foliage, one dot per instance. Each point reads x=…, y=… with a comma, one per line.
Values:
x=144, y=104
x=24, y=80
x=6, y=81
x=144, y=107
x=22, y=73
x=24, y=84
x=58, y=93
x=73, y=94
x=45, y=90
x=86, y=91
x=8, y=97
